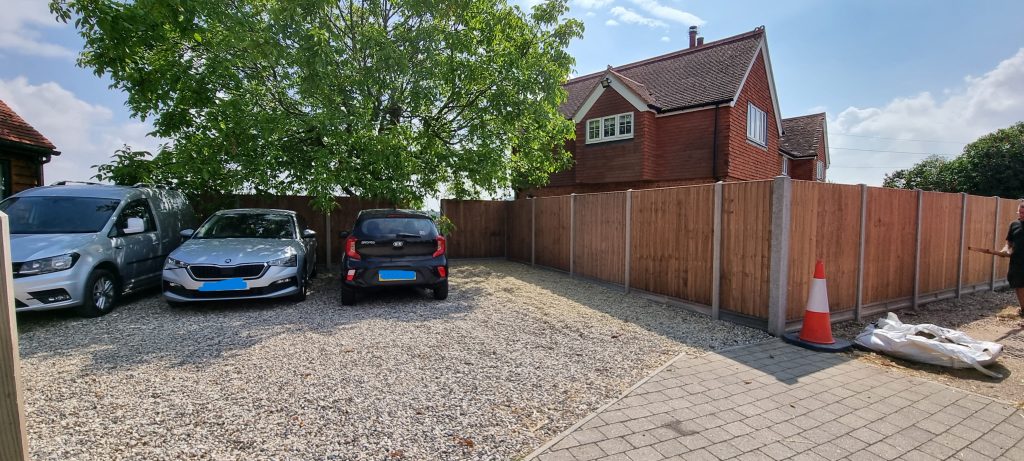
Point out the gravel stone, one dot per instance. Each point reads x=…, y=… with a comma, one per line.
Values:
x=514, y=356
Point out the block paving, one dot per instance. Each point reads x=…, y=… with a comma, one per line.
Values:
x=773, y=401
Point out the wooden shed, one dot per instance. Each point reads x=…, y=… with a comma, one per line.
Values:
x=23, y=152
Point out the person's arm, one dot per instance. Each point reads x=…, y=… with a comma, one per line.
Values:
x=1006, y=251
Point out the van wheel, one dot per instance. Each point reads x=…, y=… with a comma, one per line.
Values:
x=101, y=290
x=348, y=296
x=441, y=291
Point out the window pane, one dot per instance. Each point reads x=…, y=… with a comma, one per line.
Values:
x=609, y=127
x=626, y=124
x=594, y=129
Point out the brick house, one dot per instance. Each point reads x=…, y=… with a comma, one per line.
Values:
x=23, y=152
x=805, y=144
x=706, y=113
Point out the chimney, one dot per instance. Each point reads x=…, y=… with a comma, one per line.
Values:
x=700, y=41
x=693, y=36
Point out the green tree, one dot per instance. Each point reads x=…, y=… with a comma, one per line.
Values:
x=993, y=165
x=932, y=173
x=392, y=99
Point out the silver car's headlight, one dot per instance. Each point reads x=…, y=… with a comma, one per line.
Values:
x=47, y=265
x=175, y=264
x=287, y=261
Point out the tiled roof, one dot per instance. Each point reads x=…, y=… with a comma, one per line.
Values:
x=802, y=134
x=13, y=128
x=687, y=78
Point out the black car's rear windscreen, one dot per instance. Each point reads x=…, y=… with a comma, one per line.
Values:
x=403, y=227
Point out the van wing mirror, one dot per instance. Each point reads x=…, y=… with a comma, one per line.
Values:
x=134, y=226
x=308, y=234
x=186, y=233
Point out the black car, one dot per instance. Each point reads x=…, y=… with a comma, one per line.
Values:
x=389, y=248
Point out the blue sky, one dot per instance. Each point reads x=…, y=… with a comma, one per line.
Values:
x=930, y=71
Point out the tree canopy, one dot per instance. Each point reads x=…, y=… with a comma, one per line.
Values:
x=992, y=165
x=390, y=99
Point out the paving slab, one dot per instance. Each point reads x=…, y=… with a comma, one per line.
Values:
x=776, y=401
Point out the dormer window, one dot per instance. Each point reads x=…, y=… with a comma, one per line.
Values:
x=610, y=128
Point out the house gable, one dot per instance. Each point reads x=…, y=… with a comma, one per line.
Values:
x=748, y=160
x=617, y=84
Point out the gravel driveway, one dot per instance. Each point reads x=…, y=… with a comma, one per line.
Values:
x=514, y=356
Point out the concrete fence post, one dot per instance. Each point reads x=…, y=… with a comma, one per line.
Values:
x=995, y=244
x=917, y=251
x=572, y=234
x=963, y=241
x=778, y=286
x=533, y=231
x=716, y=258
x=629, y=237
x=13, y=435
x=860, y=251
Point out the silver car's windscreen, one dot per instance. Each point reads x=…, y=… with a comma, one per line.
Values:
x=247, y=225
x=58, y=215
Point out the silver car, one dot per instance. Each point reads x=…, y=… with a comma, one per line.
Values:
x=242, y=254
x=82, y=245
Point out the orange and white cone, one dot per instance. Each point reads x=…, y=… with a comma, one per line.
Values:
x=817, y=322
x=816, y=333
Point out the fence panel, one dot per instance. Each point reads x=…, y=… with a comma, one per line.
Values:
x=980, y=233
x=890, y=245
x=746, y=247
x=479, y=228
x=518, y=216
x=600, y=244
x=825, y=225
x=553, y=232
x=940, y=241
x=672, y=242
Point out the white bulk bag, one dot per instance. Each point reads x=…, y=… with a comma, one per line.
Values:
x=941, y=346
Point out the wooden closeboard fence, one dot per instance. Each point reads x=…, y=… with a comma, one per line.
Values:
x=745, y=251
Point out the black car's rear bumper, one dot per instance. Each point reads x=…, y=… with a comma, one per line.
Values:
x=367, y=272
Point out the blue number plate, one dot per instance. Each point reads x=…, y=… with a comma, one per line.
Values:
x=224, y=285
x=394, y=276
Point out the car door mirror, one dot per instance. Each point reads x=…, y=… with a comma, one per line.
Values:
x=343, y=234
x=308, y=234
x=186, y=233
x=134, y=226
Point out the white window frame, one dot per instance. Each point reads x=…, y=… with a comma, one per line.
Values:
x=757, y=125
x=785, y=165
x=819, y=170
x=618, y=121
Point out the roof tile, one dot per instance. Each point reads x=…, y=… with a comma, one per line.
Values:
x=686, y=78
x=13, y=128
x=802, y=134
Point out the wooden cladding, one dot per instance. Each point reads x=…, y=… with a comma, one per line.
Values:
x=881, y=247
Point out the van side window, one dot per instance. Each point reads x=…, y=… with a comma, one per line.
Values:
x=136, y=209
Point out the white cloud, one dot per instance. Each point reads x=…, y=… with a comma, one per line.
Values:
x=666, y=39
x=631, y=17
x=982, y=105
x=590, y=14
x=668, y=13
x=86, y=134
x=611, y=22
x=18, y=29
x=592, y=4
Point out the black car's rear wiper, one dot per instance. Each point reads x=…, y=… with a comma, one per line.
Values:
x=406, y=234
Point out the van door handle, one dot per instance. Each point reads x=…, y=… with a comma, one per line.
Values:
x=118, y=247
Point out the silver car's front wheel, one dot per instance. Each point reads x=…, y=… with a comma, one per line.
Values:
x=100, y=294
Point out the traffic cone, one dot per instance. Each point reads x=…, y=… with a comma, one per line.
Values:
x=816, y=333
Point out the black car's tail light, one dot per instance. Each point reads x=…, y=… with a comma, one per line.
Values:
x=442, y=271
x=350, y=275
x=441, y=246
x=350, y=248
